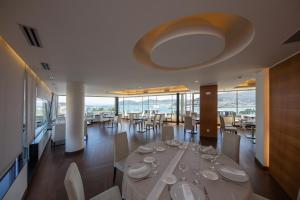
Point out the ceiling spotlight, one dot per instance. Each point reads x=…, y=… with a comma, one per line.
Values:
x=196, y=81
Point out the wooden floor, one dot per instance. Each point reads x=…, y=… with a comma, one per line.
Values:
x=96, y=164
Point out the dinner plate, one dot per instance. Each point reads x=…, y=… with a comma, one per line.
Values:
x=211, y=175
x=174, y=143
x=149, y=159
x=160, y=149
x=145, y=149
x=186, y=191
x=138, y=170
x=233, y=174
x=170, y=179
x=207, y=156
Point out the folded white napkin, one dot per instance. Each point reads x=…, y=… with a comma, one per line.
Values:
x=233, y=171
x=137, y=171
x=187, y=192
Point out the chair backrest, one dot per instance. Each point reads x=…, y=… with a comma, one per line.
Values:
x=188, y=123
x=162, y=118
x=58, y=132
x=222, y=123
x=187, y=113
x=73, y=183
x=231, y=146
x=119, y=120
x=167, y=133
x=121, y=149
x=228, y=120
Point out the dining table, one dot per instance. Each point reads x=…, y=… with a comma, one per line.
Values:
x=168, y=163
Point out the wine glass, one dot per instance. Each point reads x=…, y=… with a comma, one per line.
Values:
x=182, y=167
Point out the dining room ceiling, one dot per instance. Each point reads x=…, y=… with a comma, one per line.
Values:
x=93, y=41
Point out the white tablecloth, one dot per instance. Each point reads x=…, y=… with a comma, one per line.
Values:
x=217, y=190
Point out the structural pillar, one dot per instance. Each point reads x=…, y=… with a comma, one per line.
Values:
x=75, y=117
x=262, y=117
x=208, y=111
x=177, y=108
x=116, y=106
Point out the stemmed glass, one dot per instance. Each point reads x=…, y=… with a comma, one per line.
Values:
x=183, y=168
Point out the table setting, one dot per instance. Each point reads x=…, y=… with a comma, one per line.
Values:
x=183, y=171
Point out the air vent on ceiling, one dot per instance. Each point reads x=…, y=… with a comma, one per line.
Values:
x=31, y=36
x=45, y=66
x=293, y=38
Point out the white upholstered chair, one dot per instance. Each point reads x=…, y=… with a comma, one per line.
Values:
x=228, y=127
x=258, y=197
x=231, y=146
x=118, y=120
x=189, y=124
x=167, y=133
x=58, y=134
x=74, y=187
x=121, y=152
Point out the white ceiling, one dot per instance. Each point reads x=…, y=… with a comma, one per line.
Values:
x=92, y=41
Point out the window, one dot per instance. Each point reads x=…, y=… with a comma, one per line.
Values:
x=166, y=104
x=227, y=101
x=61, y=109
x=97, y=105
x=246, y=102
x=41, y=112
x=196, y=105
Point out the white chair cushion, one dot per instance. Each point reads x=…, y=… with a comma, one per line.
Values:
x=110, y=194
x=73, y=183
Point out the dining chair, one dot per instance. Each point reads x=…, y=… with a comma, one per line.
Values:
x=187, y=113
x=161, y=120
x=167, y=133
x=75, y=190
x=226, y=128
x=118, y=120
x=231, y=146
x=121, y=152
x=189, y=124
x=258, y=197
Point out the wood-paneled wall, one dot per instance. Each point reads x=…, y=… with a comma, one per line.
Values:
x=285, y=124
x=208, y=110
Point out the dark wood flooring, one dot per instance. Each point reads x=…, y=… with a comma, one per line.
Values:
x=96, y=164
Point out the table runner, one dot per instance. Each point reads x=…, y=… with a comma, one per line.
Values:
x=160, y=185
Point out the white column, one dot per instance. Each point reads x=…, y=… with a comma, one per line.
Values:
x=262, y=117
x=75, y=117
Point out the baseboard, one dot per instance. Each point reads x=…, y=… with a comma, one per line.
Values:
x=260, y=165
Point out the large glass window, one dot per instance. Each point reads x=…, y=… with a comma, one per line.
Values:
x=41, y=112
x=227, y=101
x=246, y=102
x=196, y=105
x=97, y=105
x=241, y=102
x=166, y=104
x=61, y=107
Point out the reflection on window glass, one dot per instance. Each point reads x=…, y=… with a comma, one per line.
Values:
x=41, y=112
x=97, y=105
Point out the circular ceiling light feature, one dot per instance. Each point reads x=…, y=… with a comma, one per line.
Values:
x=188, y=50
x=233, y=32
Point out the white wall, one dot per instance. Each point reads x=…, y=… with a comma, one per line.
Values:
x=11, y=107
x=262, y=117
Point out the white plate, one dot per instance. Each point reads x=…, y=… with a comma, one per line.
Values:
x=211, y=175
x=138, y=170
x=207, y=156
x=173, y=143
x=233, y=174
x=160, y=149
x=186, y=191
x=145, y=149
x=149, y=159
x=170, y=179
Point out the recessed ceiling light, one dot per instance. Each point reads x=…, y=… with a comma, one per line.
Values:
x=196, y=81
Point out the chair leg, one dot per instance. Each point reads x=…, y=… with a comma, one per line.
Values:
x=114, y=178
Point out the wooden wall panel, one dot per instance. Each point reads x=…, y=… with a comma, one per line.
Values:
x=285, y=124
x=208, y=110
